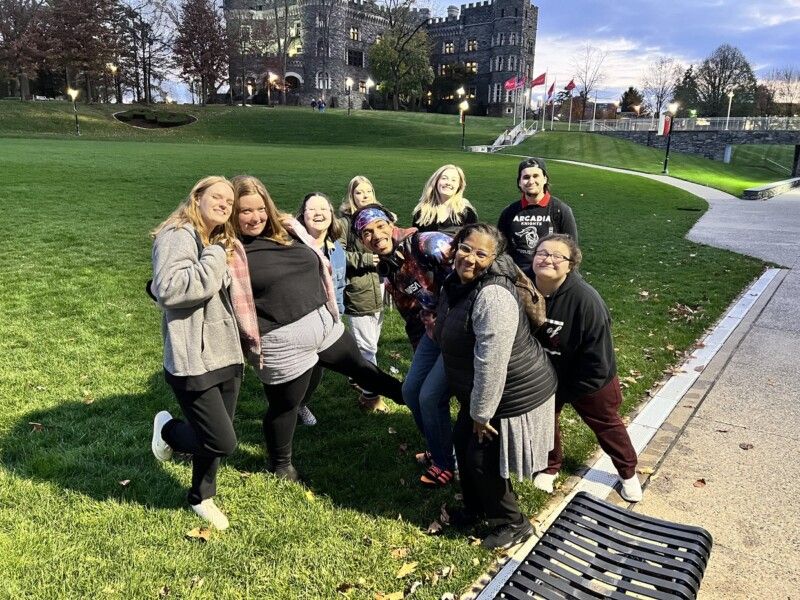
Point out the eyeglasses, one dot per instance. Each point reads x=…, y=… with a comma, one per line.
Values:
x=554, y=256
x=324, y=209
x=466, y=250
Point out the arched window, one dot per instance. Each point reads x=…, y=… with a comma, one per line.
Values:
x=323, y=81
x=320, y=47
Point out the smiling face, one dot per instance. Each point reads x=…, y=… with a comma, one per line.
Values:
x=363, y=194
x=474, y=255
x=317, y=215
x=215, y=205
x=532, y=181
x=448, y=184
x=252, y=214
x=551, y=262
x=377, y=237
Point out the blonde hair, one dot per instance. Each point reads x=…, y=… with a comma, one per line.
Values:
x=348, y=207
x=187, y=213
x=245, y=185
x=430, y=209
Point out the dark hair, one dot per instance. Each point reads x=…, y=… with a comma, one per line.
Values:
x=335, y=231
x=576, y=255
x=534, y=162
x=485, y=229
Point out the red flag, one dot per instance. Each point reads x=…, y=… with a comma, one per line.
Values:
x=539, y=80
x=511, y=84
x=570, y=85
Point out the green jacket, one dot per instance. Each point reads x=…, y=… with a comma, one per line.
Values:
x=362, y=295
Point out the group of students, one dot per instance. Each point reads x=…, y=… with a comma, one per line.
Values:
x=240, y=281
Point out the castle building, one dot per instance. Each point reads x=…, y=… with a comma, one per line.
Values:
x=478, y=46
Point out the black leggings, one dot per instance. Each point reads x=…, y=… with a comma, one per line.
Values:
x=284, y=398
x=207, y=434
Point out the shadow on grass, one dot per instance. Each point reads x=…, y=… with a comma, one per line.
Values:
x=362, y=462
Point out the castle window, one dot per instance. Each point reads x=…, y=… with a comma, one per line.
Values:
x=512, y=39
x=472, y=45
x=471, y=67
x=530, y=46
x=448, y=48
x=362, y=87
x=321, y=47
x=323, y=81
x=498, y=63
x=471, y=92
x=501, y=39
x=322, y=20
x=354, y=34
x=502, y=12
x=516, y=13
x=512, y=63
x=259, y=7
x=355, y=58
x=497, y=90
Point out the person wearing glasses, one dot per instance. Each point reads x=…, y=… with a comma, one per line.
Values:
x=503, y=380
x=535, y=215
x=316, y=215
x=577, y=338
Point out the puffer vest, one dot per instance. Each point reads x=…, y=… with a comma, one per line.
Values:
x=530, y=379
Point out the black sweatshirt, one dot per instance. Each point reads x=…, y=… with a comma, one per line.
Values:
x=577, y=338
x=285, y=281
x=450, y=227
x=524, y=226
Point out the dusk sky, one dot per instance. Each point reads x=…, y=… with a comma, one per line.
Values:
x=633, y=34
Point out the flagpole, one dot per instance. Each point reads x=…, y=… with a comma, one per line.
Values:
x=594, y=109
x=541, y=117
x=553, y=105
x=569, y=127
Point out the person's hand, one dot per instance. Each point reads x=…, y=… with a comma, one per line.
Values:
x=428, y=319
x=375, y=260
x=483, y=431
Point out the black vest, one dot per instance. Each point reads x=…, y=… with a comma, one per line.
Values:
x=530, y=379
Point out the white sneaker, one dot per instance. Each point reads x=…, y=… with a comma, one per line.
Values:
x=306, y=416
x=161, y=449
x=631, y=489
x=208, y=510
x=544, y=481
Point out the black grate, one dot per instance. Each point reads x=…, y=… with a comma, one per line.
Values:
x=597, y=550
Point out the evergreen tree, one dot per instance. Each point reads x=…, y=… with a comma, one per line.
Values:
x=686, y=93
x=630, y=98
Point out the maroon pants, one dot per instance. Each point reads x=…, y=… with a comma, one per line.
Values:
x=599, y=410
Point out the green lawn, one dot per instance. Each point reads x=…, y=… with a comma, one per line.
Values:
x=81, y=376
x=775, y=158
x=744, y=172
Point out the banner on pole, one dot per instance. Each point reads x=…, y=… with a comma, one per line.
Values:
x=540, y=80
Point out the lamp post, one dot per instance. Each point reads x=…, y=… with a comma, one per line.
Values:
x=271, y=78
x=616, y=108
x=370, y=84
x=728, y=118
x=463, y=108
x=348, y=83
x=672, y=109
x=249, y=90
x=461, y=91
x=74, y=95
x=114, y=68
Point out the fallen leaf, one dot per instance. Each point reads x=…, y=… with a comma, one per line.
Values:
x=647, y=470
x=746, y=446
x=644, y=294
x=202, y=534
x=196, y=582
x=475, y=562
x=398, y=553
x=343, y=588
x=444, y=516
x=699, y=368
x=310, y=496
x=88, y=398
x=412, y=588
x=722, y=430
x=392, y=596
x=36, y=426
x=447, y=572
x=394, y=370
x=473, y=541
x=449, y=595
x=163, y=592
x=699, y=345
x=458, y=497
x=392, y=430
x=434, y=528
x=406, y=569
x=434, y=579
x=245, y=474
x=125, y=482
x=700, y=483
x=366, y=540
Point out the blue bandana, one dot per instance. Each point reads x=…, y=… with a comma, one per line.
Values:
x=370, y=215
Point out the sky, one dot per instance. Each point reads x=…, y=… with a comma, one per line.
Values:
x=635, y=33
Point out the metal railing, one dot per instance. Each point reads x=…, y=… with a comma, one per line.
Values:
x=695, y=124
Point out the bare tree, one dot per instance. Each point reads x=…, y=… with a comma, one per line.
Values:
x=21, y=40
x=658, y=83
x=589, y=73
x=725, y=70
x=280, y=8
x=787, y=87
x=200, y=47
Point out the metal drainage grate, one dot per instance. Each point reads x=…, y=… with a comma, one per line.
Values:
x=597, y=550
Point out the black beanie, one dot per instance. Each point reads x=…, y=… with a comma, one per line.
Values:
x=532, y=162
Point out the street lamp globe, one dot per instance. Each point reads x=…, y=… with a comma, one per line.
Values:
x=464, y=106
x=272, y=77
x=673, y=107
x=460, y=91
x=348, y=82
x=370, y=83
x=73, y=94
x=730, y=94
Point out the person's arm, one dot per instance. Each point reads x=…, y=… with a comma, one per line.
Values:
x=181, y=279
x=495, y=317
x=594, y=353
x=568, y=224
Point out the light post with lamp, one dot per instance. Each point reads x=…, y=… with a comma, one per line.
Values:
x=74, y=95
x=672, y=109
x=463, y=108
x=271, y=78
x=370, y=84
x=730, y=100
x=348, y=84
x=117, y=92
x=249, y=90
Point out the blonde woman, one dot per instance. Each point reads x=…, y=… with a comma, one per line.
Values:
x=442, y=206
x=203, y=359
x=363, y=294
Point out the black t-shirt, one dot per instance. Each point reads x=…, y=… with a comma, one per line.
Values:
x=285, y=280
x=450, y=227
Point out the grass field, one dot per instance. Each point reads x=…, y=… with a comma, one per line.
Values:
x=85, y=510
x=748, y=168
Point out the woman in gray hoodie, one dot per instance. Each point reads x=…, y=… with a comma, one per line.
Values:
x=203, y=360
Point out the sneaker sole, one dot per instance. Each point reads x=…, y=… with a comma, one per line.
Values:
x=161, y=455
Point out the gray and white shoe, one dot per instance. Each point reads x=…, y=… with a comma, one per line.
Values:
x=631, y=489
x=306, y=416
x=161, y=450
x=209, y=511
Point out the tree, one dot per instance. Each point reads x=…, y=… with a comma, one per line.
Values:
x=22, y=44
x=764, y=105
x=589, y=74
x=659, y=83
x=685, y=92
x=725, y=70
x=784, y=83
x=401, y=59
x=630, y=98
x=200, y=46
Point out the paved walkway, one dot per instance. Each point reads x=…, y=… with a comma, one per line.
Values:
x=748, y=395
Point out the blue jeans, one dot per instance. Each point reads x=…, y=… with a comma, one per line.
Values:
x=427, y=395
